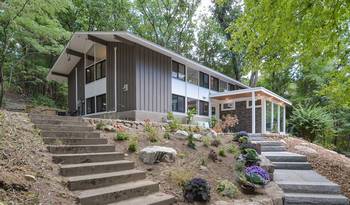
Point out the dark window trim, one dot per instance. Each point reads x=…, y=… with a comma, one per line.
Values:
x=202, y=108
x=103, y=68
x=88, y=104
x=201, y=80
x=105, y=100
x=178, y=109
x=177, y=70
x=214, y=79
x=94, y=70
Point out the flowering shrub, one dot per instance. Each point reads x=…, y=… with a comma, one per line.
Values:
x=197, y=189
x=227, y=188
x=257, y=175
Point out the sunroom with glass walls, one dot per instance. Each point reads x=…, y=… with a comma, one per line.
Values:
x=95, y=79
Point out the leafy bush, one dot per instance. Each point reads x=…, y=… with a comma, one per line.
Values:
x=180, y=176
x=152, y=134
x=166, y=134
x=190, y=115
x=133, y=144
x=121, y=136
x=243, y=139
x=227, y=188
x=206, y=141
x=233, y=149
x=190, y=141
x=222, y=152
x=213, y=121
x=239, y=166
x=197, y=189
x=257, y=175
x=147, y=125
x=174, y=124
x=251, y=156
x=311, y=122
x=42, y=100
x=239, y=135
x=245, y=146
x=100, y=125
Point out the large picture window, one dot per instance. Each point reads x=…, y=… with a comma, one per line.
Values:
x=214, y=83
x=95, y=64
x=178, y=103
x=192, y=76
x=101, y=103
x=90, y=105
x=203, y=80
x=178, y=71
x=203, y=108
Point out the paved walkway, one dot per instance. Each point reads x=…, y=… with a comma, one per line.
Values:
x=301, y=185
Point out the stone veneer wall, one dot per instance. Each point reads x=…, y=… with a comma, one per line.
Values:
x=244, y=116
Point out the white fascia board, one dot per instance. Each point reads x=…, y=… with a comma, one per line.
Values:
x=248, y=90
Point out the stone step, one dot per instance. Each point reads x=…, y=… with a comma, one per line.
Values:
x=70, y=134
x=58, y=122
x=74, y=141
x=55, y=117
x=75, y=149
x=75, y=128
x=284, y=157
x=312, y=198
x=95, y=167
x=104, y=179
x=268, y=143
x=292, y=165
x=157, y=198
x=273, y=148
x=309, y=187
x=257, y=138
x=87, y=157
x=117, y=192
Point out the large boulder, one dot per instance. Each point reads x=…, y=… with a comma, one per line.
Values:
x=181, y=134
x=155, y=154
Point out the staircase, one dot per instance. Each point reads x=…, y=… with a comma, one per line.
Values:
x=294, y=175
x=95, y=172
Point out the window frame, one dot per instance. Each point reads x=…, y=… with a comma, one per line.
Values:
x=93, y=110
x=103, y=68
x=230, y=85
x=177, y=103
x=202, y=82
x=175, y=70
x=230, y=108
x=201, y=103
x=221, y=82
x=97, y=104
x=189, y=79
x=213, y=81
x=91, y=69
x=195, y=100
x=256, y=106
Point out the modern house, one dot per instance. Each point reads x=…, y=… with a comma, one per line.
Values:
x=120, y=75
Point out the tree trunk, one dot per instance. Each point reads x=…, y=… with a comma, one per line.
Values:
x=2, y=89
x=253, y=79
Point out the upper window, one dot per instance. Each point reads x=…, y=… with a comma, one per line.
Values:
x=214, y=83
x=228, y=106
x=231, y=87
x=178, y=71
x=90, y=105
x=178, y=103
x=257, y=103
x=222, y=86
x=203, y=80
x=203, y=108
x=101, y=69
x=192, y=76
x=101, y=103
x=89, y=73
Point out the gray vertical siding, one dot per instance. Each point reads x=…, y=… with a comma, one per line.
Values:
x=72, y=91
x=125, y=63
x=81, y=81
x=110, y=77
x=153, y=80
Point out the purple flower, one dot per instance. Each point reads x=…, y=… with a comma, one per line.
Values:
x=259, y=171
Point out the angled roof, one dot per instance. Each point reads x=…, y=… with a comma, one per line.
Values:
x=80, y=42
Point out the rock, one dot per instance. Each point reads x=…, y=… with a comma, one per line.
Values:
x=222, y=203
x=109, y=128
x=155, y=154
x=197, y=137
x=203, y=168
x=212, y=133
x=304, y=149
x=181, y=134
x=30, y=177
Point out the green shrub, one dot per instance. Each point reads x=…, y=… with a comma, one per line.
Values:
x=222, y=152
x=227, y=188
x=133, y=144
x=190, y=141
x=311, y=123
x=213, y=121
x=239, y=166
x=152, y=134
x=206, y=141
x=190, y=115
x=243, y=139
x=166, y=135
x=233, y=149
x=42, y=100
x=174, y=123
x=100, y=125
x=251, y=156
x=122, y=136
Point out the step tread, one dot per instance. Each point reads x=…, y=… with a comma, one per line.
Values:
x=155, y=198
x=66, y=166
x=114, y=188
x=64, y=125
x=104, y=175
x=86, y=154
x=282, y=154
x=296, y=163
x=307, y=183
x=78, y=146
x=315, y=195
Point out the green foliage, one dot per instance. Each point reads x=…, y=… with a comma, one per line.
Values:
x=133, y=144
x=190, y=141
x=122, y=136
x=213, y=121
x=243, y=139
x=152, y=134
x=227, y=188
x=190, y=115
x=311, y=123
x=222, y=152
x=206, y=141
x=239, y=166
x=100, y=125
x=40, y=100
x=251, y=156
x=233, y=149
x=174, y=123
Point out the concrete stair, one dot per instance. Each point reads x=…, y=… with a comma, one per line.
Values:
x=95, y=171
x=86, y=157
x=300, y=184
